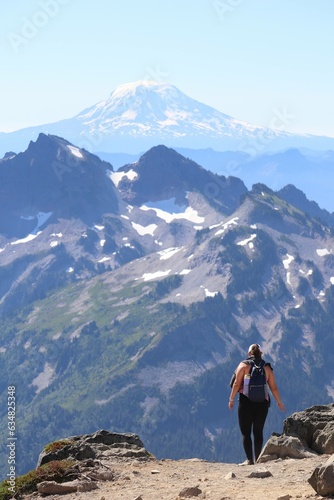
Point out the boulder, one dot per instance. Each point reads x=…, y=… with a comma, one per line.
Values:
x=230, y=475
x=313, y=426
x=322, y=479
x=194, y=491
x=260, y=473
x=100, y=475
x=281, y=446
x=54, y=488
x=96, y=446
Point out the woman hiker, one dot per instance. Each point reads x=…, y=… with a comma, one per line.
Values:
x=252, y=415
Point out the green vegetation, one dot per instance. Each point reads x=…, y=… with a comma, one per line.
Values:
x=57, y=445
x=56, y=470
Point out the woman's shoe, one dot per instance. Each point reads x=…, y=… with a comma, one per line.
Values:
x=247, y=462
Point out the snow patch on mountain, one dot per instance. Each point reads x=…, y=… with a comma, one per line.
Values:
x=55, y=243
x=247, y=241
x=75, y=151
x=142, y=230
x=286, y=264
x=323, y=251
x=28, y=238
x=287, y=261
x=309, y=272
x=157, y=274
x=104, y=259
x=184, y=272
x=117, y=177
x=225, y=225
x=189, y=214
x=208, y=293
x=168, y=253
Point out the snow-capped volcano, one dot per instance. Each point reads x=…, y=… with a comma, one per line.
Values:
x=144, y=110
x=140, y=115
x=149, y=107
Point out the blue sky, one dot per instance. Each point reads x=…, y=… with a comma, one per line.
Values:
x=250, y=59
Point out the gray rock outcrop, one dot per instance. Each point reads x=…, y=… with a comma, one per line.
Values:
x=99, y=445
x=91, y=455
x=281, y=446
x=314, y=426
x=304, y=433
x=322, y=479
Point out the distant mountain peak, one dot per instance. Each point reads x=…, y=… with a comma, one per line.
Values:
x=47, y=141
x=126, y=89
x=148, y=108
x=164, y=173
x=139, y=115
x=158, y=152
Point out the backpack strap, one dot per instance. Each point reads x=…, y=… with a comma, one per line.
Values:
x=261, y=364
x=248, y=362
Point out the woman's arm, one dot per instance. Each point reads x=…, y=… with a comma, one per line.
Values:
x=273, y=387
x=239, y=378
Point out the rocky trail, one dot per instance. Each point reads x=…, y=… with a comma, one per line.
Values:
x=170, y=480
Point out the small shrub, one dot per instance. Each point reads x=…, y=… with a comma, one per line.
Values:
x=57, y=445
x=52, y=471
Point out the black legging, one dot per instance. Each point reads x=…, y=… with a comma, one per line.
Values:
x=252, y=416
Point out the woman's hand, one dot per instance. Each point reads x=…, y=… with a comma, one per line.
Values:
x=281, y=406
x=230, y=404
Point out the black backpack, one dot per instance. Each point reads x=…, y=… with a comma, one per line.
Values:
x=255, y=383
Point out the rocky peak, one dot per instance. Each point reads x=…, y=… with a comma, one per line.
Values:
x=98, y=445
x=163, y=173
x=53, y=175
x=9, y=154
x=296, y=197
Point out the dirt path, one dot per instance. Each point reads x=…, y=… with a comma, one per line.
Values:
x=165, y=479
